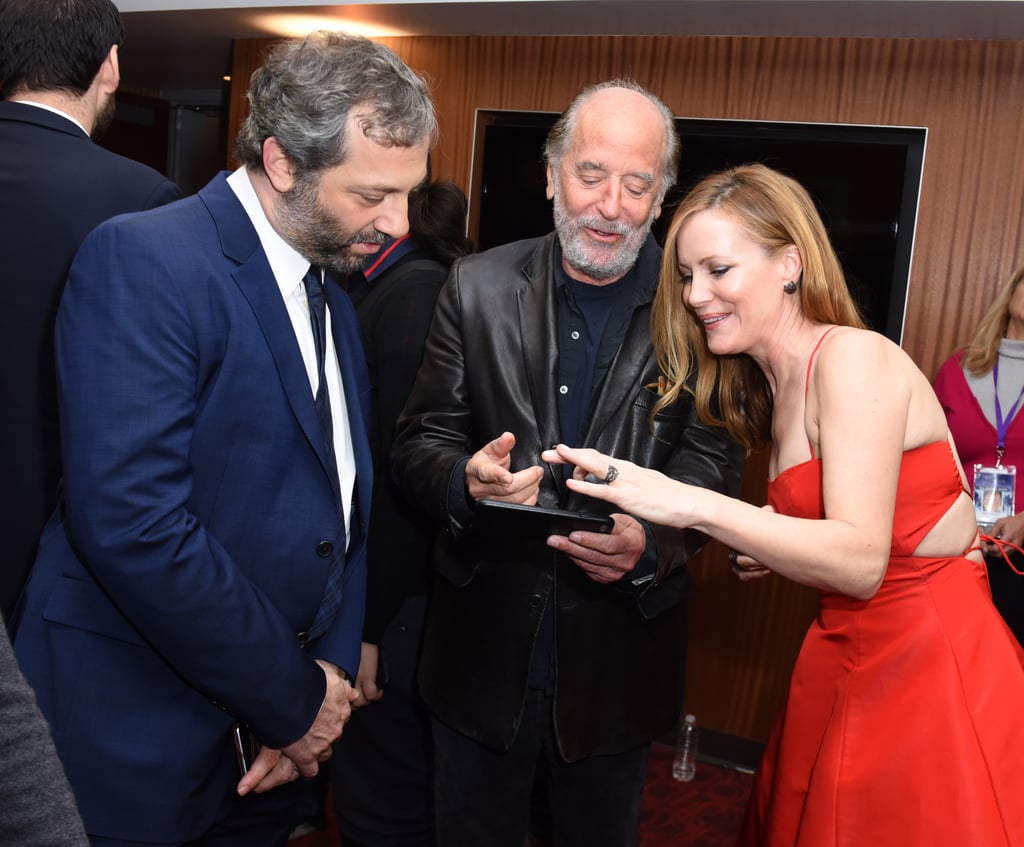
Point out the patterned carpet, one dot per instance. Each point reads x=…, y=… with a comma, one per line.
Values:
x=704, y=813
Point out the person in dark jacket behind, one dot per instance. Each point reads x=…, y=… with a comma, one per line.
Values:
x=58, y=74
x=565, y=655
x=382, y=770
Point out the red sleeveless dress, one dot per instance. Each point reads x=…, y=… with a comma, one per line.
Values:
x=904, y=721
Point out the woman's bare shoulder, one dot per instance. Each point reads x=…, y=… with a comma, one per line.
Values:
x=851, y=350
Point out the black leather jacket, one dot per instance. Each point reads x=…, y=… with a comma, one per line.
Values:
x=489, y=366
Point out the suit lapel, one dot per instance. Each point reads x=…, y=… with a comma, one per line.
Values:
x=259, y=287
x=256, y=282
x=538, y=327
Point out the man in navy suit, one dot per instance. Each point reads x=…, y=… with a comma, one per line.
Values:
x=58, y=75
x=206, y=570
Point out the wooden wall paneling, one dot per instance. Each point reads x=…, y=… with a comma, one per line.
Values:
x=942, y=85
x=247, y=55
x=968, y=236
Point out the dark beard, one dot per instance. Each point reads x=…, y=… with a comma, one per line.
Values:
x=317, y=234
x=104, y=117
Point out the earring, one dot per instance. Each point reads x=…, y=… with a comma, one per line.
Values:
x=789, y=287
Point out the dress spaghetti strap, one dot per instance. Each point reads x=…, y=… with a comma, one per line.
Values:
x=807, y=379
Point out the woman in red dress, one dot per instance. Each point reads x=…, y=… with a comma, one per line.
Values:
x=902, y=724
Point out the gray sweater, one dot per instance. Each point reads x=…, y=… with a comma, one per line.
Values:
x=37, y=808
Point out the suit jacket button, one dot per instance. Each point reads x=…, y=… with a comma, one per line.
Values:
x=324, y=549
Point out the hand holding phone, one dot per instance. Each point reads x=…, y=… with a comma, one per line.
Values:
x=513, y=520
x=247, y=746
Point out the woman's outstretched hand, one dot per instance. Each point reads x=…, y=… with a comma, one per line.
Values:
x=638, y=491
x=646, y=494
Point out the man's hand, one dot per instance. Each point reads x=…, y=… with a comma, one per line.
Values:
x=744, y=567
x=605, y=557
x=268, y=770
x=488, y=474
x=315, y=746
x=1009, y=530
x=274, y=767
x=366, y=680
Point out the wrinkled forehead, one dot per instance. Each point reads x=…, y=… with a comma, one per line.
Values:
x=619, y=131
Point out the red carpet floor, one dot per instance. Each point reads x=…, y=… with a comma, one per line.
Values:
x=704, y=813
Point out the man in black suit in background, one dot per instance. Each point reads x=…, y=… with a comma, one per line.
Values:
x=382, y=771
x=58, y=74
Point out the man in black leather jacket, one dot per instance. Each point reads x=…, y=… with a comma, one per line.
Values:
x=561, y=662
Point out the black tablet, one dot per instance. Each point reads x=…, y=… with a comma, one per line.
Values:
x=509, y=520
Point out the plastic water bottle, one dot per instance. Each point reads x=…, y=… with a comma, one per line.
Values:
x=684, y=766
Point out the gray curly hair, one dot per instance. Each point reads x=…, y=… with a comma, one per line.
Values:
x=304, y=92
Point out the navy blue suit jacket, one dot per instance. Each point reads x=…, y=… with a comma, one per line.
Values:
x=199, y=518
x=55, y=186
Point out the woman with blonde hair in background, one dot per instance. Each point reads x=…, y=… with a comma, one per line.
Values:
x=980, y=388
x=901, y=724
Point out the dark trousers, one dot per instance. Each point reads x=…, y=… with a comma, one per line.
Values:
x=1008, y=591
x=483, y=797
x=382, y=771
x=258, y=820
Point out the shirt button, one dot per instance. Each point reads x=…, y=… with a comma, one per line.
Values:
x=575, y=335
x=563, y=389
x=324, y=549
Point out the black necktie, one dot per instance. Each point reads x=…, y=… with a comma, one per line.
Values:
x=318, y=319
x=313, y=281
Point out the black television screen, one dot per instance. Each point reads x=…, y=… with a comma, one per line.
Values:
x=865, y=181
